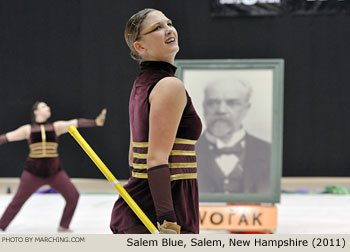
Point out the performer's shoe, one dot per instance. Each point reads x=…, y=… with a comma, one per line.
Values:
x=64, y=230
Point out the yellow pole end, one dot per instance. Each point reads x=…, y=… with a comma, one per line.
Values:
x=72, y=129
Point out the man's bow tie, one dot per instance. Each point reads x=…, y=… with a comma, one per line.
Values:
x=236, y=150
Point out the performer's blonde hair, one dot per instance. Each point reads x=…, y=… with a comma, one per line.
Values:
x=133, y=30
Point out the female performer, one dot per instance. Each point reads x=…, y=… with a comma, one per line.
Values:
x=42, y=165
x=164, y=128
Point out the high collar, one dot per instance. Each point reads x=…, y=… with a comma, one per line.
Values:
x=40, y=122
x=236, y=137
x=158, y=65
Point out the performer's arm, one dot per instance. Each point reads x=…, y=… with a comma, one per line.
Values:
x=61, y=127
x=168, y=100
x=22, y=133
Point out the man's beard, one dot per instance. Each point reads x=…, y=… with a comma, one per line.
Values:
x=221, y=128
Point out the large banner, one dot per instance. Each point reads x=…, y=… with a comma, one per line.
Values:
x=238, y=8
x=240, y=103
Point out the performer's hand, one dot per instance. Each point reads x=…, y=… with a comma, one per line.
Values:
x=169, y=228
x=101, y=118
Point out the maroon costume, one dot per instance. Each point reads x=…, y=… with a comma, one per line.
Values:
x=182, y=159
x=42, y=167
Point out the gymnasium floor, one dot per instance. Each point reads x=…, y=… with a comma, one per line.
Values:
x=297, y=214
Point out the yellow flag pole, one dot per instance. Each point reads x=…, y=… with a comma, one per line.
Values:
x=103, y=168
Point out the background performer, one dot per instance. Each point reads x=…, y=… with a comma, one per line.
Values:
x=42, y=166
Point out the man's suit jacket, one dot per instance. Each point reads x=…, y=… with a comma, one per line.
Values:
x=256, y=167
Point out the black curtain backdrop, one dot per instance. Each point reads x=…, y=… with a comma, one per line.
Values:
x=72, y=55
